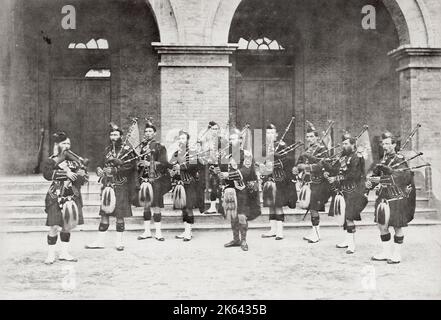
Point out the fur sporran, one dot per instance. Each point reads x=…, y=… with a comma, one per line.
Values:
x=108, y=200
x=179, y=197
x=230, y=203
x=383, y=213
x=269, y=193
x=305, y=196
x=70, y=215
x=145, y=194
x=340, y=209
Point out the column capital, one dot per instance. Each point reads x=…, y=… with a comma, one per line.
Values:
x=416, y=58
x=177, y=55
x=164, y=48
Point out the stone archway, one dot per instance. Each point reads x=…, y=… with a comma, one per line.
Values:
x=413, y=20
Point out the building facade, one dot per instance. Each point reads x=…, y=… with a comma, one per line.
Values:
x=187, y=62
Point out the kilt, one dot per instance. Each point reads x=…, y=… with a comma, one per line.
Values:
x=286, y=194
x=160, y=187
x=54, y=214
x=355, y=201
x=123, y=208
x=402, y=211
x=320, y=193
x=194, y=199
x=248, y=203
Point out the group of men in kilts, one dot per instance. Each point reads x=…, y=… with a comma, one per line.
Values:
x=230, y=174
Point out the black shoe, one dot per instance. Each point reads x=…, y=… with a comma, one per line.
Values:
x=268, y=235
x=232, y=243
x=390, y=261
x=120, y=248
x=279, y=238
x=143, y=238
x=244, y=245
x=187, y=239
x=209, y=212
x=160, y=239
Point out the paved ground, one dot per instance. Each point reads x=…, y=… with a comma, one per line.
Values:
x=203, y=269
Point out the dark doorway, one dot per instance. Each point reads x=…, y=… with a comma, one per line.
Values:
x=264, y=89
x=81, y=107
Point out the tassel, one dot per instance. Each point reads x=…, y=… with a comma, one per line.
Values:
x=70, y=215
x=305, y=196
x=105, y=198
x=340, y=209
x=269, y=193
x=230, y=203
x=145, y=194
x=179, y=197
x=383, y=213
x=109, y=200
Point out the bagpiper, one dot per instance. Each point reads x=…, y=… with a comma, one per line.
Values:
x=63, y=203
x=184, y=174
x=315, y=191
x=114, y=175
x=347, y=179
x=396, y=198
x=153, y=181
x=212, y=142
x=240, y=186
x=278, y=187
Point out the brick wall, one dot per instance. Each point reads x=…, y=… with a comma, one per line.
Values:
x=342, y=72
x=128, y=26
x=194, y=90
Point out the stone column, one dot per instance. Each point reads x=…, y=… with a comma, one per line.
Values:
x=194, y=87
x=420, y=102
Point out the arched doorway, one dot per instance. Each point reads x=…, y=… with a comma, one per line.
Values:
x=111, y=82
x=338, y=70
x=78, y=80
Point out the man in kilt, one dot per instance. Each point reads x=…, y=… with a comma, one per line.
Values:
x=311, y=172
x=114, y=175
x=396, y=198
x=153, y=181
x=278, y=188
x=212, y=143
x=63, y=203
x=241, y=190
x=185, y=179
x=349, y=185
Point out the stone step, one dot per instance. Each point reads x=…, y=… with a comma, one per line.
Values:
x=93, y=194
x=225, y=225
x=40, y=187
x=25, y=185
x=27, y=208
x=170, y=217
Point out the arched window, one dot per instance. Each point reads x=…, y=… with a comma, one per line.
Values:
x=100, y=44
x=98, y=73
x=259, y=44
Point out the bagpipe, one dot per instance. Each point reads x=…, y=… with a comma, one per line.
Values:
x=66, y=194
x=385, y=181
x=385, y=172
x=332, y=166
x=115, y=160
x=145, y=193
x=272, y=171
x=203, y=156
x=179, y=178
x=305, y=190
